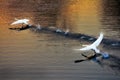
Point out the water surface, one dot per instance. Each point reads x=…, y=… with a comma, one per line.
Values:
x=29, y=55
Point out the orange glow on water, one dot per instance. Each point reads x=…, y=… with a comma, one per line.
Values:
x=79, y=15
x=83, y=15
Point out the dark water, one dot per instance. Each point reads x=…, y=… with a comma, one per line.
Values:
x=29, y=55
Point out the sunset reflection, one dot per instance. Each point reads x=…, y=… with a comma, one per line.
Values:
x=81, y=15
x=44, y=54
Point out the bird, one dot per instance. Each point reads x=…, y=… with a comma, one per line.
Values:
x=20, y=21
x=67, y=31
x=94, y=46
x=58, y=31
x=39, y=27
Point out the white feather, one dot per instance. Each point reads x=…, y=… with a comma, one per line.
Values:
x=21, y=21
x=94, y=45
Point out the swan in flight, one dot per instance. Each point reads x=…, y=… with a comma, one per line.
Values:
x=94, y=45
x=20, y=21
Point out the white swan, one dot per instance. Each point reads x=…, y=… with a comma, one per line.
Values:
x=94, y=45
x=20, y=21
x=58, y=31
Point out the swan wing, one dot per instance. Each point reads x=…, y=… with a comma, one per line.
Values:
x=16, y=22
x=98, y=41
x=94, y=45
x=84, y=49
x=25, y=21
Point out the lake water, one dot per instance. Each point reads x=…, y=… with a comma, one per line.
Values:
x=30, y=55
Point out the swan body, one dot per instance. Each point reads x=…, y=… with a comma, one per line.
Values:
x=20, y=21
x=94, y=45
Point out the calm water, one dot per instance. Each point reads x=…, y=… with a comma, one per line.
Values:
x=28, y=55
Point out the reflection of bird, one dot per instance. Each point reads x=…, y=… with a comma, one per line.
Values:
x=20, y=21
x=92, y=57
x=112, y=63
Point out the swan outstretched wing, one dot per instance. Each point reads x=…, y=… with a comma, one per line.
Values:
x=85, y=48
x=16, y=22
x=25, y=21
x=94, y=45
x=98, y=41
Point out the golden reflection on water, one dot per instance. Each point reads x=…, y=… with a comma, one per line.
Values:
x=81, y=16
x=8, y=13
x=30, y=55
x=78, y=15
